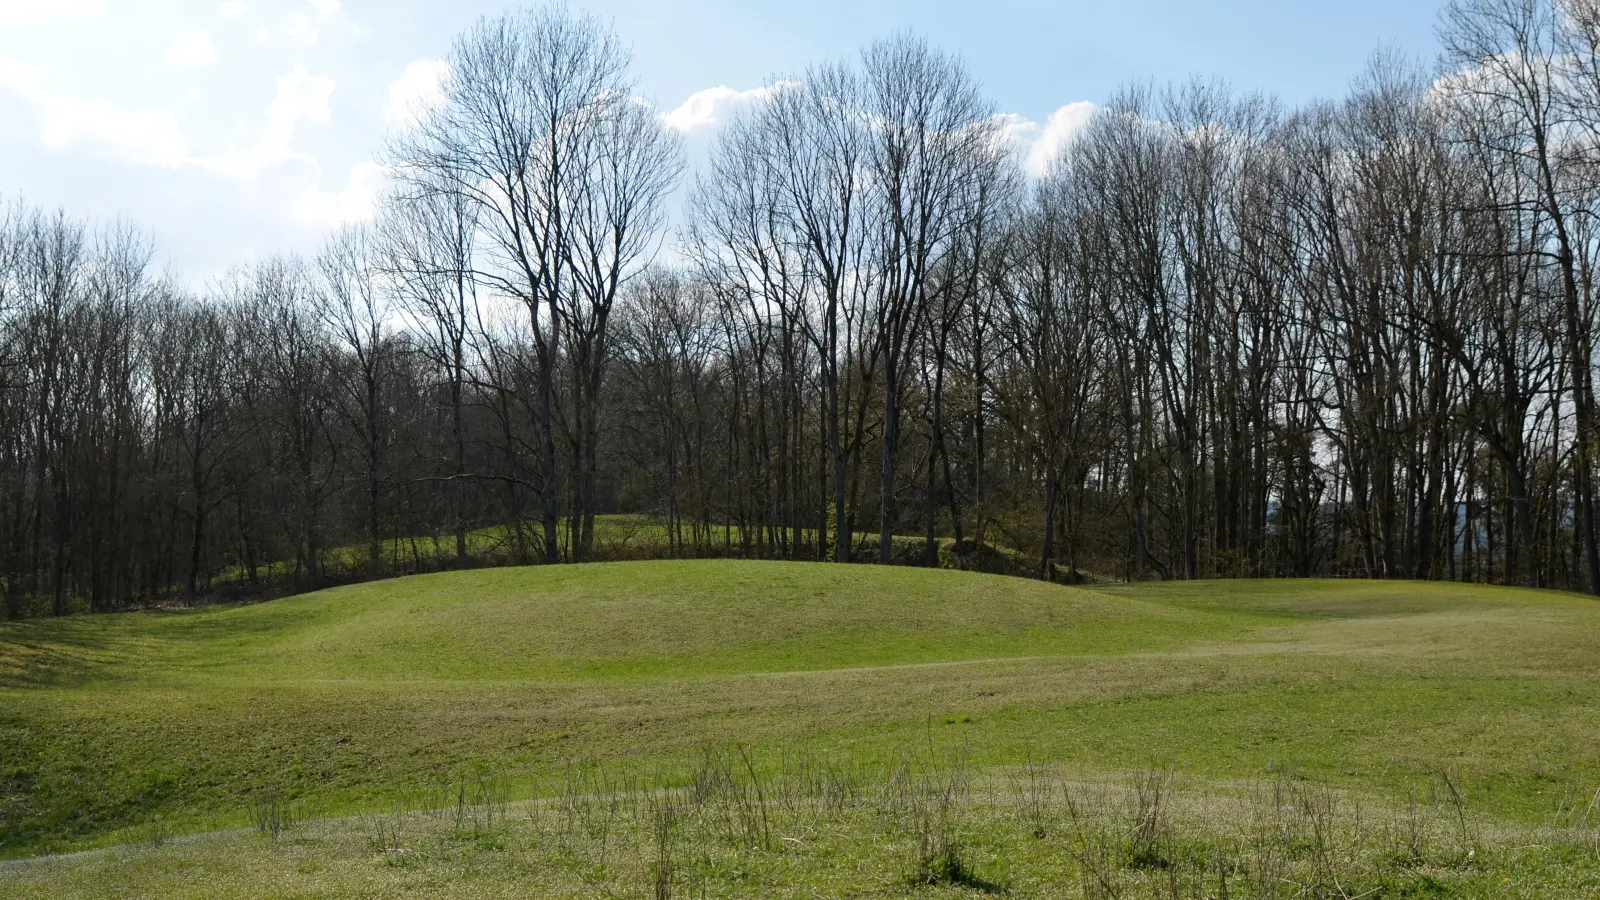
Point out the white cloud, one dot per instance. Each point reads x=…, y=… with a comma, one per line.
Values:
x=149, y=136
x=1020, y=131
x=353, y=203
x=110, y=112
x=1041, y=144
x=419, y=89
x=300, y=30
x=713, y=107
x=302, y=27
x=30, y=12
x=192, y=51
x=300, y=95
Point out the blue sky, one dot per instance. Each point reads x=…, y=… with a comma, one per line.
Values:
x=232, y=129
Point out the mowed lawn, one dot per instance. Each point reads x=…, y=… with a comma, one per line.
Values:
x=339, y=698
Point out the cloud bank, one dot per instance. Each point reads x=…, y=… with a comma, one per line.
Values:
x=707, y=112
x=1040, y=144
x=147, y=136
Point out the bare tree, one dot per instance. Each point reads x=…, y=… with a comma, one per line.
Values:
x=428, y=238
x=355, y=305
x=1512, y=81
x=931, y=136
x=538, y=131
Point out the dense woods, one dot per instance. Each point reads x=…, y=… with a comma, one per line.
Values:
x=1217, y=338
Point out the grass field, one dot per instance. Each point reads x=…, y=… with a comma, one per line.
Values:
x=1468, y=713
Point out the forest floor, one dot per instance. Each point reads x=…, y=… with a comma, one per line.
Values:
x=724, y=728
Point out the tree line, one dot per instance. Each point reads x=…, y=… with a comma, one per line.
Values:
x=1217, y=337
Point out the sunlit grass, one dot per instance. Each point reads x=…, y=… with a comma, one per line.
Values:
x=342, y=698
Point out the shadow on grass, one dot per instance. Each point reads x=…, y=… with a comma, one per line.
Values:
x=56, y=652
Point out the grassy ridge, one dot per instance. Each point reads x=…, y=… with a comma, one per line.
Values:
x=340, y=697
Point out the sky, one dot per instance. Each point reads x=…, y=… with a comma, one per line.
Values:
x=234, y=129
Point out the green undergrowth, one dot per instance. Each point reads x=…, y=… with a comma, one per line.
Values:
x=619, y=538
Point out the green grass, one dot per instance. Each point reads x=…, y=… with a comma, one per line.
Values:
x=617, y=537
x=621, y=536
x=341, y=698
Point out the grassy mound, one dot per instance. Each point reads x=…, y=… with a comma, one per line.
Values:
x=339, y=699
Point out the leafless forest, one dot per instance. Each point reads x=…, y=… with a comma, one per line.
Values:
x=1218, y=338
